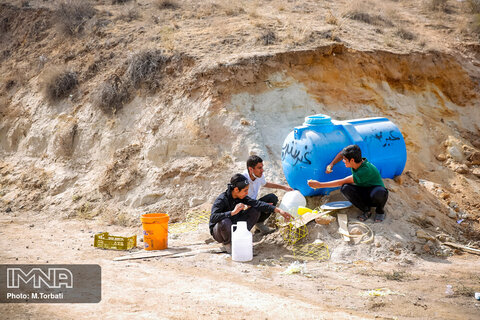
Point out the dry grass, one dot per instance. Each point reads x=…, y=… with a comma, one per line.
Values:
x=437, y=5
x=72, y=15
x=396, y=275
x=373, y=19
x=473, y=6
x=130, y=13
x=144, y=68
x=58, y=83
x=268, y=37
x=405, y=34
x=331, y=19
x=112, y=95
x=475, y=25
x=168, y=4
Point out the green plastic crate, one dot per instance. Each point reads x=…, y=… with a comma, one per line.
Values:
x=105, y=241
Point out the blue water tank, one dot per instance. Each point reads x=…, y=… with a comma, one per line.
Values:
x=308, y=149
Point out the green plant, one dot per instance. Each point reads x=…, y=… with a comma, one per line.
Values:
x=58, y=83
x=73, y=14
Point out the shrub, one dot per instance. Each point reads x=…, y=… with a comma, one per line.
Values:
x=144, y=67
x=438, y=5
x=120, y=1
x=405, y=34
x=58, y=83
x=129, y=14
x=373, y=19
x=476, y=24
x=268, y=37
x=474, y=6
x=112, y=95
x=73, y=14
x=168, y=4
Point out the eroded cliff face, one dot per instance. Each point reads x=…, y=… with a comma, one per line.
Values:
x=174, y=149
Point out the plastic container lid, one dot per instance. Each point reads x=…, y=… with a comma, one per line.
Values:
x=318, y=120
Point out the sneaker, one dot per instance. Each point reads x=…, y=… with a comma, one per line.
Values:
x=227, y=248
x=264, y=229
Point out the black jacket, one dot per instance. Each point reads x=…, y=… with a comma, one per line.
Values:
x=225, y=203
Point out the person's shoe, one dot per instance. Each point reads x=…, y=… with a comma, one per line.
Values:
x=379, y=217
x=227, y=248
x=264, y=229
x=364, y=216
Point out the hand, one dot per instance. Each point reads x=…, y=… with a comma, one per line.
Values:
x=285, y=215
x=287, y=188
x=329, y=169
x=314, y=184
x=239, y=207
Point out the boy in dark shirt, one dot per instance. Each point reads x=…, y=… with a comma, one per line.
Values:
x=364, y=188
x=235, y=205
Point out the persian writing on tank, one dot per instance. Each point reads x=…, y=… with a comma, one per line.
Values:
x=298, y=154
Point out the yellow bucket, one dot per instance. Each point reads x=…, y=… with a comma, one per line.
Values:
x=155, y=230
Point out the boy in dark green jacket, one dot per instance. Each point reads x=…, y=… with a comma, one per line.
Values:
x=364, y=188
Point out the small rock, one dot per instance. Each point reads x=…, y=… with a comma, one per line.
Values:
x=244, y=122
x=32, y=225
x=462, y=169
x=426, y=248
x=422, y=234
x=377, y=244
x=476, y=172
x=466, y=216
x=8, y=210
x=452, y=214
x=452, y=204
x=455, y=153
x=397, y=252
x=441, y=157
x=444, y=195
x=16, y=259
x=476, y=143
x=474, y=158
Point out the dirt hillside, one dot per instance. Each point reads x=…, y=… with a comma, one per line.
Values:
x=111, y=109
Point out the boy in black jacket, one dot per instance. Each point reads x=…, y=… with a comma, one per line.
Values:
x=235, y=205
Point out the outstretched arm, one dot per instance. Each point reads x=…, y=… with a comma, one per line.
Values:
x=335, y=160
x=277, y=186
x=331, y=184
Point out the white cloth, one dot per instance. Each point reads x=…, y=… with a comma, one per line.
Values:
x=254, y=186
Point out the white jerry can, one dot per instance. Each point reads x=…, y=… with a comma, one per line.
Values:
x=242, y=242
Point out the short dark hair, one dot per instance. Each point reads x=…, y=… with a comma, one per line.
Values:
x=239, y=181
x=352, y=152
x=252, y=161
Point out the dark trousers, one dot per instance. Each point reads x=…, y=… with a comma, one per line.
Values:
x=222, y=231
x=269, y=198
x=365, y=197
